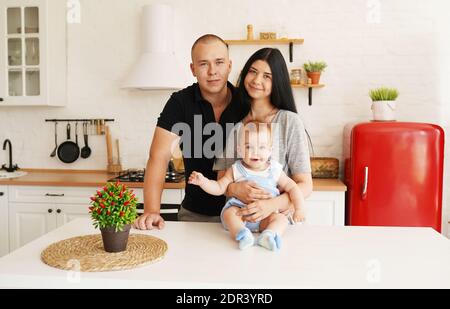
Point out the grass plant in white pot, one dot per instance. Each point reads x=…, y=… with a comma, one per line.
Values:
x=383, y=103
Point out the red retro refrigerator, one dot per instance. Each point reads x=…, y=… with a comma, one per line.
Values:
x=393, y=173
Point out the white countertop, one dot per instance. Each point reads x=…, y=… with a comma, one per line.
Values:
x=202, y=255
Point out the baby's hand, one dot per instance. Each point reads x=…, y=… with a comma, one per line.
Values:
x=196, y=178
x=299, y=215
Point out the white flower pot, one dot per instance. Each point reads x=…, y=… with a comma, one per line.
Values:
x=383, y=110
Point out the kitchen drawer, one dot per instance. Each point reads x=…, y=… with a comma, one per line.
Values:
x=77, y=195
x=34, y=194
x=169, y=196
x=172, y=196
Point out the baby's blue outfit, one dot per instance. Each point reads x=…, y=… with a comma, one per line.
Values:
x=267, y=183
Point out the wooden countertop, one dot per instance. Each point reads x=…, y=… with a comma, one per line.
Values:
x=72, y=178
x=92, y=178
x=328, y=185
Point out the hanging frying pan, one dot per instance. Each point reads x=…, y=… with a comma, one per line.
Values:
x=86, y=150
x=68, y=152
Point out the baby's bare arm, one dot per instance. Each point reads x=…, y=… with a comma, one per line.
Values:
x=212, y=186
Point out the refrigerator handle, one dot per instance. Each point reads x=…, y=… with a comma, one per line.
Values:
x=366, y=182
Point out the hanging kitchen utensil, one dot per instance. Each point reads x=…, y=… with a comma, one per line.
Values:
x=68, y=152
x=76, y=134
x=85, y=151
x=53, y=154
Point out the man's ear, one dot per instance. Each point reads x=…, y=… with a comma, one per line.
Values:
x=193, y=70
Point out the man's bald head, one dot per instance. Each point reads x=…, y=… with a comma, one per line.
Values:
x=205, y=39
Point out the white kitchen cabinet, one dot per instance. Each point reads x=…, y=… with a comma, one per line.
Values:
x=448, y=227
x=32, y=53
x=29, y=221
x=325, y=208
x=34, y=211
x=66, y=213
x=4, y=240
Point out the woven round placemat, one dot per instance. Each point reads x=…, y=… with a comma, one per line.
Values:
x=86, y=253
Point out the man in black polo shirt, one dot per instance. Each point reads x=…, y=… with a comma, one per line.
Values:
x=203, y=109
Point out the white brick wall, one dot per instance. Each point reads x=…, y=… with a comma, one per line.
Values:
x=405, y=50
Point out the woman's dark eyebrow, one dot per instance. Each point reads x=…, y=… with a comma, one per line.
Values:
x=252, y=68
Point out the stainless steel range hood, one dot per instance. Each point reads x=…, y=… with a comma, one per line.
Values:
x=157, y=67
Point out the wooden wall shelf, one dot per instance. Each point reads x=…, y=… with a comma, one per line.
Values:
x=307, y=86
x=291, y=43
x=264, y=42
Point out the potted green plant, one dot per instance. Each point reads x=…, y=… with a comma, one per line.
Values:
x=314, y=70
x=113, y=210
x=383, y=103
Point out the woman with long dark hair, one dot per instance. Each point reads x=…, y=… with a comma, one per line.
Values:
x=281, y=95
x=265, y=87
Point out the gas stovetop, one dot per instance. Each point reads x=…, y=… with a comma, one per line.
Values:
x=138, y=176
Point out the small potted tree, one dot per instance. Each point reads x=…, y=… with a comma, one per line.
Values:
x=383, y=103
x=314, y=70
x=113, y=210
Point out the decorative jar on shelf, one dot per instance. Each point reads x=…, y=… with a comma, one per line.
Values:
x=296, y=76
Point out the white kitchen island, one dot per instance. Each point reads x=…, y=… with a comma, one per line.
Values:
x=202, y=255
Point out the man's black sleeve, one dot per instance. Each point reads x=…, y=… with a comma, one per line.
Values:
x=172, y=113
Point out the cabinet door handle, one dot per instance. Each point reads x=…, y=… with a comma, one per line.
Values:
x=50, y=211
x=1, y=193
x=55, y=195
x=58, y=211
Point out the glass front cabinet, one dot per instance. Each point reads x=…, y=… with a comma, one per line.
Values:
x=29, y=37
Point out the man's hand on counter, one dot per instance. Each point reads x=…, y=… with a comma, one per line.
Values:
x=149, y=221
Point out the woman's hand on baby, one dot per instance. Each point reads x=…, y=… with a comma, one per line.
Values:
x=196, y=178
x=258, y=210
x=247, y=192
